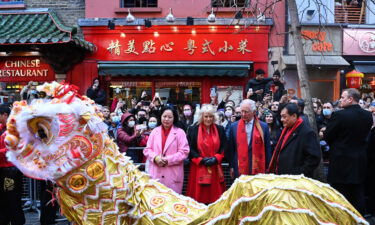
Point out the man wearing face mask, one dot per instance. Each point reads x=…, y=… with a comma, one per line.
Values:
x=141, y=116
x=327, y=113
x=114, y=125
x=187, y=116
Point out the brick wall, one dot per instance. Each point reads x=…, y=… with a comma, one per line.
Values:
x=69, y=11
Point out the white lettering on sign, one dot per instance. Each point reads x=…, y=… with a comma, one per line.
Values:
x=22, y=63
x=24, y=73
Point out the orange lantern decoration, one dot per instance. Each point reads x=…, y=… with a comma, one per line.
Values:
x=354, y=79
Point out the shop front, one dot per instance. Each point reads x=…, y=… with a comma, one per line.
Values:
x=359, y=50
x=180, y=63
x=35, y=46
x=323, y=55
x=16, y=72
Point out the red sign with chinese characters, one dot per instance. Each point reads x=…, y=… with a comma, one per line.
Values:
x=179, y=43
x=23, y=69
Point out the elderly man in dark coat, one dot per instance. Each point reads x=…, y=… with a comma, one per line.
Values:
x=249, y=150
x=346, y=135
x=297, y=151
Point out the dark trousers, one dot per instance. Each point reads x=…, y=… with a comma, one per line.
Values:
x=47, y=208
x=354, y=193
x=134, y=154
x=10, y=196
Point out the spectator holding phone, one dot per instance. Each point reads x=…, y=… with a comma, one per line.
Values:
x=130, y=135
x=275, y=86
x=96, y=93
x=256, y=87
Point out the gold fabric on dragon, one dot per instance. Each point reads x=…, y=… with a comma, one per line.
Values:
x=63, y=139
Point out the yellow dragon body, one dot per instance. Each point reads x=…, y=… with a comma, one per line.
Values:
x=63, y=139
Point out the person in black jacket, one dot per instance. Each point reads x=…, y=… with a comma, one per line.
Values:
x=207, y=143
x=346, y=135
x=96, y=93
x=298, y=150
x=275, y=86
x=256, y=87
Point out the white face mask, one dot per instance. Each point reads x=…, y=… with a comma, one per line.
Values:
x=187, y=113
x=131, y=123
x=228, y=114
x=152, y=125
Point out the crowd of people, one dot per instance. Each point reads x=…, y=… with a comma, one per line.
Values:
x=267, y=132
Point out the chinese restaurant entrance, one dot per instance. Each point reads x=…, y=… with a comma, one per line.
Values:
x=180, y=63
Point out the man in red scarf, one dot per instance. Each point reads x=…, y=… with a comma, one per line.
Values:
x=249, y=149
x=297, y=151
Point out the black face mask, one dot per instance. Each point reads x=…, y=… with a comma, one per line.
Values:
x=238, y=118
x=141, y=120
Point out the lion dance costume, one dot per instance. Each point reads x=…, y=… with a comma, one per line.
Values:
x=62, y=138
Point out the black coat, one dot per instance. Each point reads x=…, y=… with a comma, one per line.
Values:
x=277, y=95
x=346, y=134
x=257, y=85
x=193, y=139
x=301, y=153
x=98, y=95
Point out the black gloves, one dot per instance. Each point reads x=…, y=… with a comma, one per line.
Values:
x=209, y=161
x=204, y=160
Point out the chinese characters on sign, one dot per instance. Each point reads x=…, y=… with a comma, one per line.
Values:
x=150, y=47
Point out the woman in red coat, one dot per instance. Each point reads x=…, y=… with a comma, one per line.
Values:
x=207, y=143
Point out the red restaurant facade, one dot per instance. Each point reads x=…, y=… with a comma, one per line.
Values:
x=181, y=63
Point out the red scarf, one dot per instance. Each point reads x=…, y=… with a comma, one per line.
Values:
x=285, y=135
x=258, y=149
x=164, y=136
x=208, y=145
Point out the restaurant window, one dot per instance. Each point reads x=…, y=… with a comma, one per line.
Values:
x=139, y=3
x=10, y=92
x=230, y=3
x=130, y=90
x=322, y=90
x=179, y=93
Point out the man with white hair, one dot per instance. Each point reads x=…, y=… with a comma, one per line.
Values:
x=249, y=149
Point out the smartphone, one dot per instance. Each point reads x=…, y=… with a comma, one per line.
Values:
x=212, y=92
x=285, y=92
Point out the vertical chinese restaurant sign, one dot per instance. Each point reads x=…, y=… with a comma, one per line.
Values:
x=180, y=43
x=24, y=69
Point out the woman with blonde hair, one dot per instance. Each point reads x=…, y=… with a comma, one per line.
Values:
x=207, y=142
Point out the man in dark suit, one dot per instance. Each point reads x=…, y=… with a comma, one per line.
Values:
x=346, y=135
x=249, y=150
x=297, y=151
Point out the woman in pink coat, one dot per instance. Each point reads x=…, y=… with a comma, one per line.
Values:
x=166, y=149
